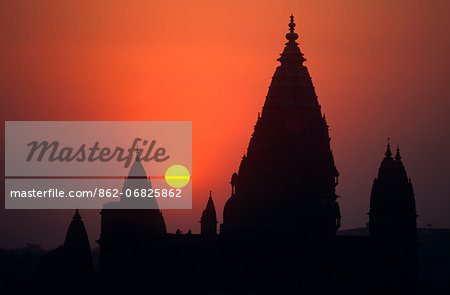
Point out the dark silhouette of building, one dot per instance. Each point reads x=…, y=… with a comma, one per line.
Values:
x=76, y=245
x=126, y=233
x=385, y=261
x=392, y=204
x=286, y=181
x=209, y=219
x=74, y=257
x=392, y=222
x=279, y=224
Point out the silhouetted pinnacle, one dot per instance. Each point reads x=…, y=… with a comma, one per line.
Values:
x=138, y=153
x=392, y=205
x=291, y=36
x=292, y=56
x=209, y=219
x=388, y=150
x=77, y=215
x=137, y=170
x=397, y=155
x=76, y=235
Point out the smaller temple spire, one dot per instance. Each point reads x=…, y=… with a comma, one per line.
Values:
x=401, y=171
x=397, y=155
x=138, y=153
x=388, y=153
x=392, y=205
x=77, y=250
x=209, y=218
x=77, y=215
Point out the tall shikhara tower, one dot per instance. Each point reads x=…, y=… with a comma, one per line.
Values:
x=286, y=181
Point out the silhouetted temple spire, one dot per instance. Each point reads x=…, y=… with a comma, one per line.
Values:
x=209, y=219
x=392, y=205
x=286, y=180
x=130, y=224
x=401, y=171
x=397, y=154
x=77, y=214
x=388, y=149
x=76, y=235
x=291, y=55
x=392, y=220
x=77, y=249
x=72, y=260
x=138, y=153
x=291, y=36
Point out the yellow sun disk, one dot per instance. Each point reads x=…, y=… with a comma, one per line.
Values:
x=177, y=176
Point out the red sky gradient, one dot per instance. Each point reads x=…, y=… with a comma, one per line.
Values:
x=380, y=68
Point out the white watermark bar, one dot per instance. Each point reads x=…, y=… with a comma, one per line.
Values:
x=98, y=165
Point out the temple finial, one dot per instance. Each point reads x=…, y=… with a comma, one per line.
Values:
x=138, y=152
x=77, y=214
x=292, y=24
x=292, y=55
x=388, y=149
x=210, y=197
x=292, y=36
x=397, y=155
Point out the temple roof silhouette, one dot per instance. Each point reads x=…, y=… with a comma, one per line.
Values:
x=209, y=214
x=279, y=224
x=392, y=169
x=392, y=202
x=76, y=236
x=288, y=174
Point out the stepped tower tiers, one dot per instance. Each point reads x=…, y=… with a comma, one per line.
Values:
x=209, y=219
x=392, y=215
x=286, y=181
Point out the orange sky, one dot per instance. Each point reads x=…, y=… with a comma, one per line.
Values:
x=380, y=68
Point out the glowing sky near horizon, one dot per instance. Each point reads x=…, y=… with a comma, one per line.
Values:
x=380, y=69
